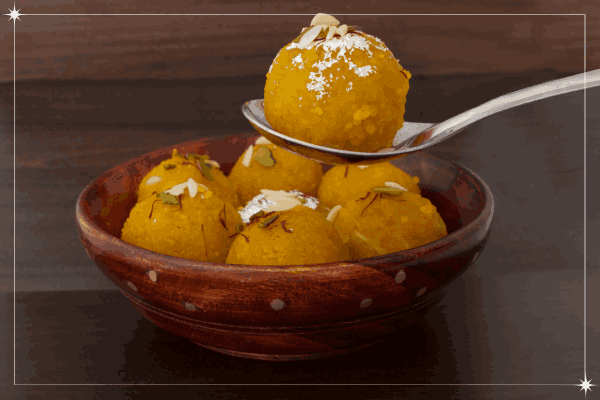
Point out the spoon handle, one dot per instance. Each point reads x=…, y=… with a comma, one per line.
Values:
x=544, y=90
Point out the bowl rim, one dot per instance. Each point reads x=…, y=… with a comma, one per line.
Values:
x=128, y=250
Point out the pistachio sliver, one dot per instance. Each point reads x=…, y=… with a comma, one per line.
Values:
x=168, y=198
x=388, y=190
x=268, y=221
x=239, y=228
x=264, y=157
x=205, y=169
x=323, y=33
x=256, y=216
x=196, y=157
x=169, y=166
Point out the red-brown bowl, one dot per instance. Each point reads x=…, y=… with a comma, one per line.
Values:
x=285, y=312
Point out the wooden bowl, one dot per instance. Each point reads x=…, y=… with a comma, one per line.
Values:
x=285, y=312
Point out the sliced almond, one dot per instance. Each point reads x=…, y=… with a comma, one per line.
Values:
x=324, y=19
x=283, y=200
x=282, y=203
x=177, y=189
x=262, y=140
x=264, y=156
x=203, y=187
x=342, y=30
x=277, y=193
x=395, y=185
x=248, y=156
x=192, y=187
x=363, y=166
x=360, y=236
x=309, y=36
x=213, y=163
x=331, y=32
x=333, y=213
x=153, y=179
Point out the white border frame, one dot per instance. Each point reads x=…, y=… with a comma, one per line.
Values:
x=585, y=384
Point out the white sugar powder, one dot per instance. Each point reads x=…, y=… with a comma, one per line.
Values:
x=298, y=62
x=341, y=46
x=362, y=71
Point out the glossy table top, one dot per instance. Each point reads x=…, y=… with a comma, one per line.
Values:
x=515, y=318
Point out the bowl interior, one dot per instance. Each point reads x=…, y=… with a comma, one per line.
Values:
x=457, y=194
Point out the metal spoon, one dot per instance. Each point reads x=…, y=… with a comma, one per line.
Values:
x=418, y=136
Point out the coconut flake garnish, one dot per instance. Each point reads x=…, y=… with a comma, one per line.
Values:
x=298, y=61
x=362, y=71
x=341, y=46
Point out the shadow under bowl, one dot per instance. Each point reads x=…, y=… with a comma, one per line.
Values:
x=285, y=312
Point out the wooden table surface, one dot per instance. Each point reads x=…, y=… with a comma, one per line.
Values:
x=516, y=317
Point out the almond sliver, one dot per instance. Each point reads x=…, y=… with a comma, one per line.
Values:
x=309, y=36
x=192, y=187
x=178, y=189
x=333, y=213
x=395, y=185
x=248, y=156
x=153, y=179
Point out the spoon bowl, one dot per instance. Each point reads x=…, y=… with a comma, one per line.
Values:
x=417, y=136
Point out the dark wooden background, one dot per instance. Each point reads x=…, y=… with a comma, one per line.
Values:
x=191, y=47
x=95, y=91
